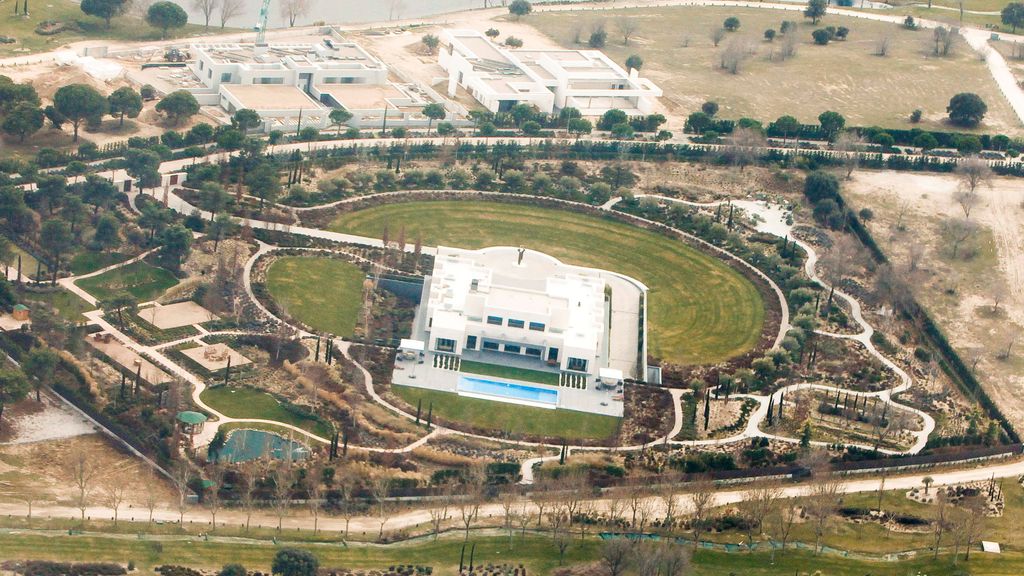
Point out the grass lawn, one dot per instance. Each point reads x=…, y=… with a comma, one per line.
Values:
x=512, y=372
x=700, y=309
x=566, y=424
x=250, y=403
x=536, y=552
x=68, y=305
x=29, y=263
x=143, y=281
x=322, y=293
x=89, y=261
x=846, y=76
x=121, y=28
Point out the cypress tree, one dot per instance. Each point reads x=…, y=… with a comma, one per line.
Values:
x=782, y=399
x=771, y=408
x=316, y=355
x=707, y=410
x=419, y=406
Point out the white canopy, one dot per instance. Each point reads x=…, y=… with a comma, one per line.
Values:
x=414, y=345
x=609, y=374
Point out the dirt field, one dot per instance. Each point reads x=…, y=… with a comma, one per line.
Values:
x=176, y=315
x=980, y=300
x=844, y=76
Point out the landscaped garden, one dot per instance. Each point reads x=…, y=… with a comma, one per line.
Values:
x=242, y=402
x=322, y=293
x=510, y=418
x=700, y=309
x=141, y=280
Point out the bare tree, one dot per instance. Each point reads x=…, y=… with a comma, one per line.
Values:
x=439, y=511
x=346, y=490
x=315, y=493
x=944, y=39
x=822, y=502
x=996, y=291
x=627, y=27
x=717, y=34
x=736, y=52
x=205, y=7
x=973, y=172
x=972, y=522
x=755, y=508
x=379, y=487
x=940, y=520
x=785, y=517
x=956, y=231
x=213, y=500
x=666, y=492
x=745, y=147
x=83, y=472
x=292, y=10
x=702, y=499
x=636, y=495
x=152, y=498
x=115, y=490
x=849, y=145
x=182, y=474
x=882, y=45
x=230, y=9
x=787, y=48
x=675, y=559
x=283, y=481
x=472, y=497
x=616, y=555
x=508, y=498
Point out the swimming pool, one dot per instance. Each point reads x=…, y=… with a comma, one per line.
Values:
x=245, y=445
x=508, y=392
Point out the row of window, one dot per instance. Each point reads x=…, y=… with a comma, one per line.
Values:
x=513, y=323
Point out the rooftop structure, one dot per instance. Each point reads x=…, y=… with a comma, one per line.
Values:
x=500, y=78
x=288, y=82
x=519, y=326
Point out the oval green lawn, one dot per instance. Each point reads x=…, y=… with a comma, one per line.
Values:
x=700, y=309
x=322, y=293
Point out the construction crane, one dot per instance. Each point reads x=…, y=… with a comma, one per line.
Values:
x=261, y=24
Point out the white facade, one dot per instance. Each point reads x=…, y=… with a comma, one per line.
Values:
x=500, y=78
x=553, y=313
x=286, y=83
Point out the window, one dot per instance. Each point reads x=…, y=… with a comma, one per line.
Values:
x=576, y=365
x=444, y=345
x=496, y=320
x=537, y=326
x=225, y=77
x=552, y=354
x=471, y=342
x=512, y=348
x=200, y=64
x=516, y=323
x=531, y=351
x=268, y=80
x=489, y=345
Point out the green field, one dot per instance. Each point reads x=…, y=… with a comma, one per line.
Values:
x=139, y=279
x=566, y=424
x=536, y=552
x=68, y=305
x=322, y=293
x=89, y=261
x=700, y=309
x=250, y=403
x=511, y=372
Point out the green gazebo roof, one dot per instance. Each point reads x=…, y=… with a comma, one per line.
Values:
x=20, y=307
x=190, y=417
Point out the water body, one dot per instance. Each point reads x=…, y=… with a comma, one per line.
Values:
x=245, y=445
x=345, y=11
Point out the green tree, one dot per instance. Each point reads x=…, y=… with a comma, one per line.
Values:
x=492, y=33
x=230, y=139
x=264, y=183
x=56, y=238
x=610, y=118
x=23, y=121
x=568, y=113
x=12, y=94
x=1013, y=15
x=13, y=387
x=731, y=24
x=78, y=102
x=634, y=62
x=430, y=42
x=246, y=119
x=925, y=141
x=233, y=569
x=137, y=162
x=119, y=305
x=213, y=198
x=166, y=15
x=821, y=36
x=107, y=233
x=579, y=126
x=433, y=111
x=41, y=363
x=832, y=123
x=821, y=185
x=178, y=105
x=815, y=10
x=175, y=244
x=221, y=227
x=292, y=562
x=338, y=117
x=520, y=8
x=124, y=102
x=105, y=9
x=966, y=109
x=699, y=122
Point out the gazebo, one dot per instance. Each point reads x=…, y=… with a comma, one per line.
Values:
x=191, y=422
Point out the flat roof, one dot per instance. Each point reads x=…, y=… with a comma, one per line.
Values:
x=270, y=97
x=361, y=96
